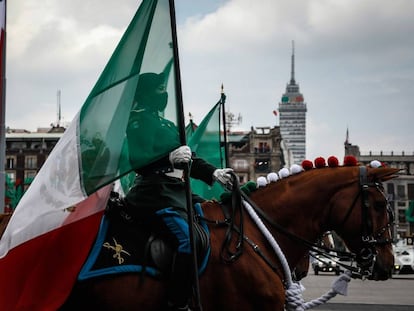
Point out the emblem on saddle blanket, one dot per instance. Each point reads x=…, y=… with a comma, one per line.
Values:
x=118, y=249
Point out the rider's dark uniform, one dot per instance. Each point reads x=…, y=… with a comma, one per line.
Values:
x=155, y=186
x=159, y=192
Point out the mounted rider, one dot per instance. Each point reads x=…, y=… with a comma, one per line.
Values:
x=158, y=194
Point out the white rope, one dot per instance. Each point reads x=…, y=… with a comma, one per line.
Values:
x=272, y=241
x=294, y=299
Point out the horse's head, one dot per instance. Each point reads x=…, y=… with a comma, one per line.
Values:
x=363, y=218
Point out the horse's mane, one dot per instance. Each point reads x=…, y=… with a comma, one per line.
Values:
x=307, y=168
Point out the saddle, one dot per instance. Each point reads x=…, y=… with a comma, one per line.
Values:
x=126, y=244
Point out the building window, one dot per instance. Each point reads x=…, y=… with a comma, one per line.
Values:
x=262, y=148
x=410, y=192
x=18, y=145
x=11, y=175
x=10, y=162
x=262, y=165
x=411, y=169
x=240, y=164
x=38, y=145
x=401, y=216
x=30, y=162
x=401, y=192
x=390, y=190
x=403, y=168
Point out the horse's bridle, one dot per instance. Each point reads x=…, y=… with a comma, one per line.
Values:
x=366, y=257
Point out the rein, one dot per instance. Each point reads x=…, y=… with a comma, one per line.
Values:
x=280, y=229
x=227, y=254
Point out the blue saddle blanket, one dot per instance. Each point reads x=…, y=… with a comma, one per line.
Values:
x=120, y=248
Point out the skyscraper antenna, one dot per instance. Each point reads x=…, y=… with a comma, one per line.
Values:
x=292, y=74
x=58, y=109
x=347, y=136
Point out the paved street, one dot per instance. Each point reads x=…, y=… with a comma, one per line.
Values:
x=394, y=294
x=361, y=307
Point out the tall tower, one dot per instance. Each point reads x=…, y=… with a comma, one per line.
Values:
x=292, y=117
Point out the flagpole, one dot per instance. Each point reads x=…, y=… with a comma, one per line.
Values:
x=181, y=126
x=226, y=151
x=3, y=116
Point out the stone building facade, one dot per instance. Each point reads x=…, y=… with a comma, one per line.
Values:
x=257, y=152
x=400, y=191
x=26, y=152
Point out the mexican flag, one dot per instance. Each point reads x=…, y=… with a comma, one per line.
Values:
x=55, y=223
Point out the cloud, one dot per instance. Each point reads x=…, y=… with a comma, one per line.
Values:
x=354, y=62
x=55, y=46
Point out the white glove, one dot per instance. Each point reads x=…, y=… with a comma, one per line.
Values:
x=223, y=177
x=180, y=156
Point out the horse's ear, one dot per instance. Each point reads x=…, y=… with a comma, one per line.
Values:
x=385, y=173
x=385, y=178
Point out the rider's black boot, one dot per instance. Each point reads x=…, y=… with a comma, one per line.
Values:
x=179, y=287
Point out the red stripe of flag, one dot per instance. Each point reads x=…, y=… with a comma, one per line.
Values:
x=39, y=274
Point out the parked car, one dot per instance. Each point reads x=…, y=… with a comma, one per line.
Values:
x=323, y=264
x=404, y=258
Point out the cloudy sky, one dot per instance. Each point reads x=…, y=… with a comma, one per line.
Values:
x=354, y=63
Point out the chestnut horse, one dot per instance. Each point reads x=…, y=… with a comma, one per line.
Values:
x=297, y=211
x=301, y=207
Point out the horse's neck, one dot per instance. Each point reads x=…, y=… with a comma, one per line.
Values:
x=299, y=212
x=302, y=204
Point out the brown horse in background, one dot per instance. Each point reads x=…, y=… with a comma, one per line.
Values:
x=349, y=200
